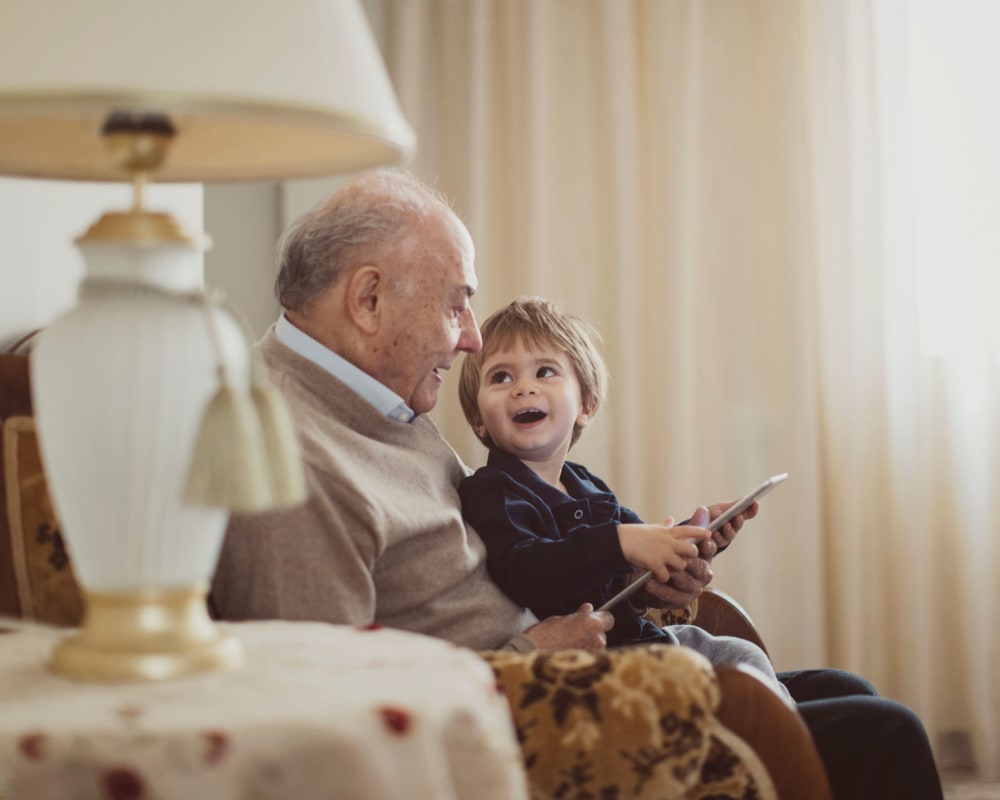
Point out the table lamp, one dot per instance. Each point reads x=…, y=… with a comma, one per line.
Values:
x=151, y=422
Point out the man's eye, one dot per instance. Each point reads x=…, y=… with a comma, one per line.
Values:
x=545, y=372
x=500, y=377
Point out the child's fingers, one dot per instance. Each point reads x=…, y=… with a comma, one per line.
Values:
x=692, y=533
x=678, y=563
x=682, y=552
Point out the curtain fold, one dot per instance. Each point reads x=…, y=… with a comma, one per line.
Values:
x=724, y=190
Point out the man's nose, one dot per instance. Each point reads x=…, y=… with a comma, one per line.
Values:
x=470, y=340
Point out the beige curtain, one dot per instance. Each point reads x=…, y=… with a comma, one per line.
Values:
x=906, y=260
x=706, y=182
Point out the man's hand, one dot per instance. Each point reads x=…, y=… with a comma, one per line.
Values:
x=584, y=629
x=681, y=590
x=725, y=535
x=684, y=587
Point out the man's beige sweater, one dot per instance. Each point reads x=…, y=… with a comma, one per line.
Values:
x=380, y=538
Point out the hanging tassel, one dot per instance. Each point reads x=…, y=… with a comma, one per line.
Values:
x=285, y=471
x=288, y=480
x=229, y=465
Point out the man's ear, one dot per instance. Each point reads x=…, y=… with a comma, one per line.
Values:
x=364, y=297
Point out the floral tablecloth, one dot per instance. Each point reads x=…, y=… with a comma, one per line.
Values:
x=320, y=711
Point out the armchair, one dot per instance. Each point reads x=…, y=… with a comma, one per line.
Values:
x=652, y=722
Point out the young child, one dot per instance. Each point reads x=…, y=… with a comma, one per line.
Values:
x=555, y=534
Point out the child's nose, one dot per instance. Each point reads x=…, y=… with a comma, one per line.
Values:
x=522, y=388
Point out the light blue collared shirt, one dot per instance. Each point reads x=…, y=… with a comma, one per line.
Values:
x=382, y=397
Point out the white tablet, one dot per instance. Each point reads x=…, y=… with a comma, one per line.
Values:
x=734, y=510
x=739, y=507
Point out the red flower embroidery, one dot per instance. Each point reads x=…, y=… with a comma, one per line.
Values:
x=217, y=743
x=31, y=746
x=396, y=720
x=123, y=784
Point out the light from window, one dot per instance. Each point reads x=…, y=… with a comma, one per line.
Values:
x=954, y=132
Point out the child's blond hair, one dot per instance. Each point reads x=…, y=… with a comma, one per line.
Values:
x=537, y=322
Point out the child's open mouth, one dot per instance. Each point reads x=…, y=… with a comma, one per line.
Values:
x=528, y=415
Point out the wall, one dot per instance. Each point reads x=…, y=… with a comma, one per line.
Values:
x=38, y=222
x=244, y=222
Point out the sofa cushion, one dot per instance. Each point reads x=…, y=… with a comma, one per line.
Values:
x=636, y=722
x=36, y=578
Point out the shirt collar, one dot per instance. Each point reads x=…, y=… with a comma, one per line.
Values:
x=577, y=487
x=380, y=396
x=525, y=475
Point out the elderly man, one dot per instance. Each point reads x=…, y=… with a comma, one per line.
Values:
x=376, y=283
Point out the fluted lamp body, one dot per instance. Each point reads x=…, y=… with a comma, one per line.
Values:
x=123, y=380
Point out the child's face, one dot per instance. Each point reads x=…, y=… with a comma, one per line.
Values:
x=529, y=400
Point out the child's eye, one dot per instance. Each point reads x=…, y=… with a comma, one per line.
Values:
x=545, y=372
x=500, y=377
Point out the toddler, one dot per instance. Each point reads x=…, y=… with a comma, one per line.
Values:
x=555, y=534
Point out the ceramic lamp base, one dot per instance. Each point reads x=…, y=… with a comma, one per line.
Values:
x=146, y=636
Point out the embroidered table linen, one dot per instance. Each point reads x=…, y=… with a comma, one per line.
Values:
x=319, y=711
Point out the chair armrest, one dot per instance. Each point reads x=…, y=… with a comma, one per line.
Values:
x=753, y=710
x=719, y=614
x=714, y=611
x=769, y=724
x=629, y=723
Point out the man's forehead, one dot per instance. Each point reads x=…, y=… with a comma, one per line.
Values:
x=468, y=250
x=471, y=282
x=466, y=280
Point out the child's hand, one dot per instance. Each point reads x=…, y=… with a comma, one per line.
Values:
x=662, y=549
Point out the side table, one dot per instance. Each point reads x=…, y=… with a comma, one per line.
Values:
x=320, y=711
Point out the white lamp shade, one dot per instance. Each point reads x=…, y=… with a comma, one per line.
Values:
x=256, y=89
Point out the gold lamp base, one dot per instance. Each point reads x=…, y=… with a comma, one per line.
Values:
x=146, y=636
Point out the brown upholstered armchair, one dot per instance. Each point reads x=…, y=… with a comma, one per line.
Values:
x=652, y=722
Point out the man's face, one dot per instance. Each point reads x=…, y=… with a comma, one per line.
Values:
x=428, y=319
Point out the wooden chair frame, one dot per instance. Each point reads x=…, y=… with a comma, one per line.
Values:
x=766, y=721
